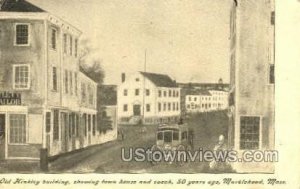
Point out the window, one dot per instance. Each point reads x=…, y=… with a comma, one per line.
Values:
x=175, y=135
x=160, y=136
x=66, y=82
x=125, y=107
x=70, y=125
x=168, y=136
x=76, y=47
x=137, y=79
x=147, y=92
x=195, y=99
x=22, y=34
x=174, y=94
x=91, y=94
x=174, y=106
x=125, y=92
x=148, y=108
x=17, y=132
x=159, y=93
x=53, y=38
x=273, y=18
x=71, y=45
x=21, y=76
x=159, y=106
x=190, y=98
x=94, y=125
x=249, y=132
x=177, y=93
x=165, y=93
x=55, y=125
x=48, y=122
x=272, y=74
x=170, y=93
x=54, y=78
x=183, y=135
x=169, y=106
x=165, y=106
x=83, y=123
x=76, y=83
x=65, y=43
x=71, y=82
x=177, y=106
x=137, y=92
x=77, y=125
x=89, y=123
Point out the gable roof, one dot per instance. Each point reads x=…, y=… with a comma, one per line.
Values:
x=160, y=80
x=197, y=92
x=84, y=72
x=19, y=6
x=204, y=92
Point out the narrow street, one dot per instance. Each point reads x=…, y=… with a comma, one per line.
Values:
x=106, y=158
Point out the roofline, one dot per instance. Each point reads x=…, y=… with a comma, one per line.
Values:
x=5, y=15
x=87, y=77
x=141, y=72
x=183, y=83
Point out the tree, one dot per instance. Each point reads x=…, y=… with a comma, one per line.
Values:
x=90, y=63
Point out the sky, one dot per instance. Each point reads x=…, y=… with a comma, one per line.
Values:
x=185, y=39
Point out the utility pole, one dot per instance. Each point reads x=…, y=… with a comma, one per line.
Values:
x=144, y=83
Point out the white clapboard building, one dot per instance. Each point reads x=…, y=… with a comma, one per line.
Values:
x=148, y=98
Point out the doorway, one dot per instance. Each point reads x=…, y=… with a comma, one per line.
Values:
x=64, y=132
x=2, y=136
x=136, y=110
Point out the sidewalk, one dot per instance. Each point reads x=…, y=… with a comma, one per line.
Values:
x=69, y=160
x=20, y=166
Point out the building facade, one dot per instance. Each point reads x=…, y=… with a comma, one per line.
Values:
x=46, y=101
x=219, y=99
x=148, y=98
x=251, y=101
x=198, y=101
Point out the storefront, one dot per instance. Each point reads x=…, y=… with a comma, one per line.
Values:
x=21, y=133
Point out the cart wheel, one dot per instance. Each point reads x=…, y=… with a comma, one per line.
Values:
x=189, y=149
x=153, y=149
x=181, y=159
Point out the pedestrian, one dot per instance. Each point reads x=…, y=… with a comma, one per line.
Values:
x=120, y=134
x=220, y=165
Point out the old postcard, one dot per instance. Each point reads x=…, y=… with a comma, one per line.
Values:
x=152, y=87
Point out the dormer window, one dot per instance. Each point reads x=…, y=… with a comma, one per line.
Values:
x=137, y=79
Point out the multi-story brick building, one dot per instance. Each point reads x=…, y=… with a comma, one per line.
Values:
x=149, y=98
x=251, y=102
x=47, y=102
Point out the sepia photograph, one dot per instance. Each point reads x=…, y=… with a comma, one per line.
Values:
x=128, y=86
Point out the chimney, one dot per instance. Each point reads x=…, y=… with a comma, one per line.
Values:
x=123, y=77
